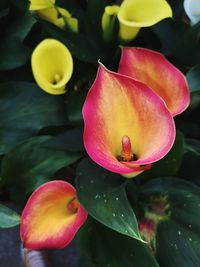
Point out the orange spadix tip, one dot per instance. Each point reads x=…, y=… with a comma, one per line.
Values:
x=127, y=154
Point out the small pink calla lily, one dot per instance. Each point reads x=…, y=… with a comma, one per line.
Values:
x=51, y=217
x=127, y=126
x=153, y=69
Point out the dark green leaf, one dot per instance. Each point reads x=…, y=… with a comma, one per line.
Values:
x=190, y=168
x=30, y=164
x=102, y=247
x=70, y=140
x=169, y=32
x=178, y=236
x=4, y=12
x=74, y=104
x=188, y=49
x=20, y=26
x=13, y=54
x=193, y=78
x=24, y=110
x=8, y=218
x=103, y=194
x=193, y=145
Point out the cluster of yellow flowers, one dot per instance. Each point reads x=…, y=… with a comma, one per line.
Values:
x=53, y=56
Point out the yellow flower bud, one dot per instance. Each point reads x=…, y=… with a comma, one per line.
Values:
x=52, y=66
x=108, y=20
x=40, y=4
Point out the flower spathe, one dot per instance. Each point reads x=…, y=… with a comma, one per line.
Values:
x=51, y=217
x=52, y=66
x=108, y=21
x=135, y=14
x=40, y=4
x=153, y=69
x=192, y=9
x=127, y=126
x=46, y=10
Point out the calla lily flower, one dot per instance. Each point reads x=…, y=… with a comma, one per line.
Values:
x=127, y=126
x=134, y=14
x=40, y=4
x=153, y=69
x=52, y=66
x=108, y=21
x=60, y=17
x=192, y=9
x=47, y=10
x=51, y=217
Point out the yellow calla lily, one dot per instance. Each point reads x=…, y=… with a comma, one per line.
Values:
x=40, y=4
x=134, y=14
x=52, y=15
x=46, y=10
x=108, y=20
x=52, y=66
x=67, y=19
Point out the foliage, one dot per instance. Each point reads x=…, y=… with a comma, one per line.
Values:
x=41, y=139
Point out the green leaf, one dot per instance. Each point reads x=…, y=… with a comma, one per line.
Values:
x=188, y=49
x=8, y=218
x=70, y=140
x=24, y=110
x=169, y=32
x=178, y=236
x=193, y=145
x=21, y=26
x=193, y=78
x=170, y=164
x=102, y=247
x=13, y=54
x=103, y=194
x=74, y=104
x=190, y=168
x=30, y=164
x=4, y=12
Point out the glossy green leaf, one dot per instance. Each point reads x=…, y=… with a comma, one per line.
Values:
x=70, y=140
x=8, y=217
x=74, y=105
x=178, y=237
x=103, y=194
x=190, y=168
x=20, y=26
x=30, y=164
x=193, y=78
x=102, y=247
x=13, y=54
x=24, y=110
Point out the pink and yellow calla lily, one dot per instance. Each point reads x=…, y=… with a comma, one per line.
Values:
x=127, y=126
x=51, y=217
x=153, y=69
